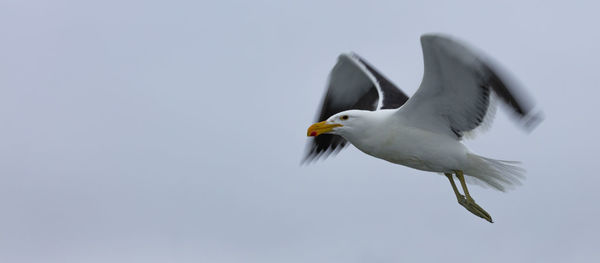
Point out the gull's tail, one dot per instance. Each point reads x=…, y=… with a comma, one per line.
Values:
x=501, y=175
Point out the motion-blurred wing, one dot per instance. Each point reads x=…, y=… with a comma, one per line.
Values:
x=353, y=84
x=455, y=92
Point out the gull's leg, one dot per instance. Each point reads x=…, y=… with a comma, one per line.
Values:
x=468, y=202
x=461, y=178
x=459, y=197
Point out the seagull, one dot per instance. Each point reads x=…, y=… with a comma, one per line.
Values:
x=455, y=99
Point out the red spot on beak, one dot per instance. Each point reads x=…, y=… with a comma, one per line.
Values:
x=313, y=133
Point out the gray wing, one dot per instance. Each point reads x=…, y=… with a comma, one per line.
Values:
x=454, y=95
x=353, y=84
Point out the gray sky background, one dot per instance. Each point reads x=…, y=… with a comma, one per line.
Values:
x=172, y=131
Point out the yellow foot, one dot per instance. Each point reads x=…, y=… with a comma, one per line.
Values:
x=474, y=208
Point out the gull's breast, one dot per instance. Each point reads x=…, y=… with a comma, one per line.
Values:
x=415, y=148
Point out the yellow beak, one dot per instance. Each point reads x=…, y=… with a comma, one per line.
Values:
x=320, y=128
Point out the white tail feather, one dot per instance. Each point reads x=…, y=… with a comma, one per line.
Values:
x=498, y=174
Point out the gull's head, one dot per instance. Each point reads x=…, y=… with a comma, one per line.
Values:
x=339, y=124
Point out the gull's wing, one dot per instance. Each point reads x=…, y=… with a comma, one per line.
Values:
x=353, y=84
x=454, y=95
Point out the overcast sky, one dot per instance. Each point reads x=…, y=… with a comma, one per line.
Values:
x=172, y=131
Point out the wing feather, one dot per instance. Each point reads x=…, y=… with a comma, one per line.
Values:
x=454, y=95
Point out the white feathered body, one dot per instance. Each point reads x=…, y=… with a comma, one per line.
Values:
x=387, y=136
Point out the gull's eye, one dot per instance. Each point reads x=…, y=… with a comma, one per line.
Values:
x=344, y=117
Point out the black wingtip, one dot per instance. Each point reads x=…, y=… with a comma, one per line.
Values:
x=513, y=95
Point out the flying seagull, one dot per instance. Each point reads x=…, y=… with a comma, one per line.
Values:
x=364, y=108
